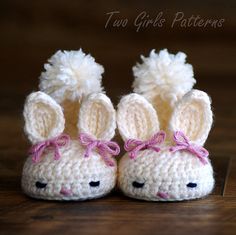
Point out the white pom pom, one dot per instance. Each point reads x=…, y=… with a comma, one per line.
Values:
x=164, y=75
x=70, y=75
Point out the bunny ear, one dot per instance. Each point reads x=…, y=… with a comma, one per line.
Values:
x=97, y=117
x=43, y=117
x=136, y=118
x=193, y=116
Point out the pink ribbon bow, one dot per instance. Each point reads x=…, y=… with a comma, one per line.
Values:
x=133, y=146
x=182, y=143
x=56, y=143
x=104, y=148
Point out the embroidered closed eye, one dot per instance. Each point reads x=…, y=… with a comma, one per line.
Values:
x=94, y=183
x=192, y=185
x=39, y=184
x=137, y=184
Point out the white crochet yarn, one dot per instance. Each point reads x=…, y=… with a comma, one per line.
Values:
x=97, y=117
x=163, y=79
x=70, y=75
x=152, y=174
x=72, y=171
x=167, y=173
x=136, y=118
x=43, y=117
x=193, y=115
x=163, y=74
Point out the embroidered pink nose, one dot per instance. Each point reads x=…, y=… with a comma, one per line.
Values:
x=163, y=195
x=66, y=192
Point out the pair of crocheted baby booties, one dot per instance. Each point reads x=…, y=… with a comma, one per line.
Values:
x=164, y=124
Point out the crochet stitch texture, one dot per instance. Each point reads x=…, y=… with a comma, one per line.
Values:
x=165, y=175
x=62, y=171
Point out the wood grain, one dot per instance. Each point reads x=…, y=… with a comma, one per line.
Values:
x=32, y=30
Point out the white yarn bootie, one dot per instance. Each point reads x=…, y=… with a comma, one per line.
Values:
x=164, y=127
x=70, y=123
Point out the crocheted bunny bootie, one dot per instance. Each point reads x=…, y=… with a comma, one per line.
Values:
x=62, y=165
x=160, y=166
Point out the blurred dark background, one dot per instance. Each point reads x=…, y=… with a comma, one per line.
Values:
x=31, y=31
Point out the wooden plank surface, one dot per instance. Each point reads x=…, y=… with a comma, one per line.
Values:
x=32, y=30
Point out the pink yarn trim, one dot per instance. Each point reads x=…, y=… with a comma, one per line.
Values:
x=133, y=146
x=182, y=143
x=163, y=195
x=66, y=192
x=37, y=150
x=105, y=148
